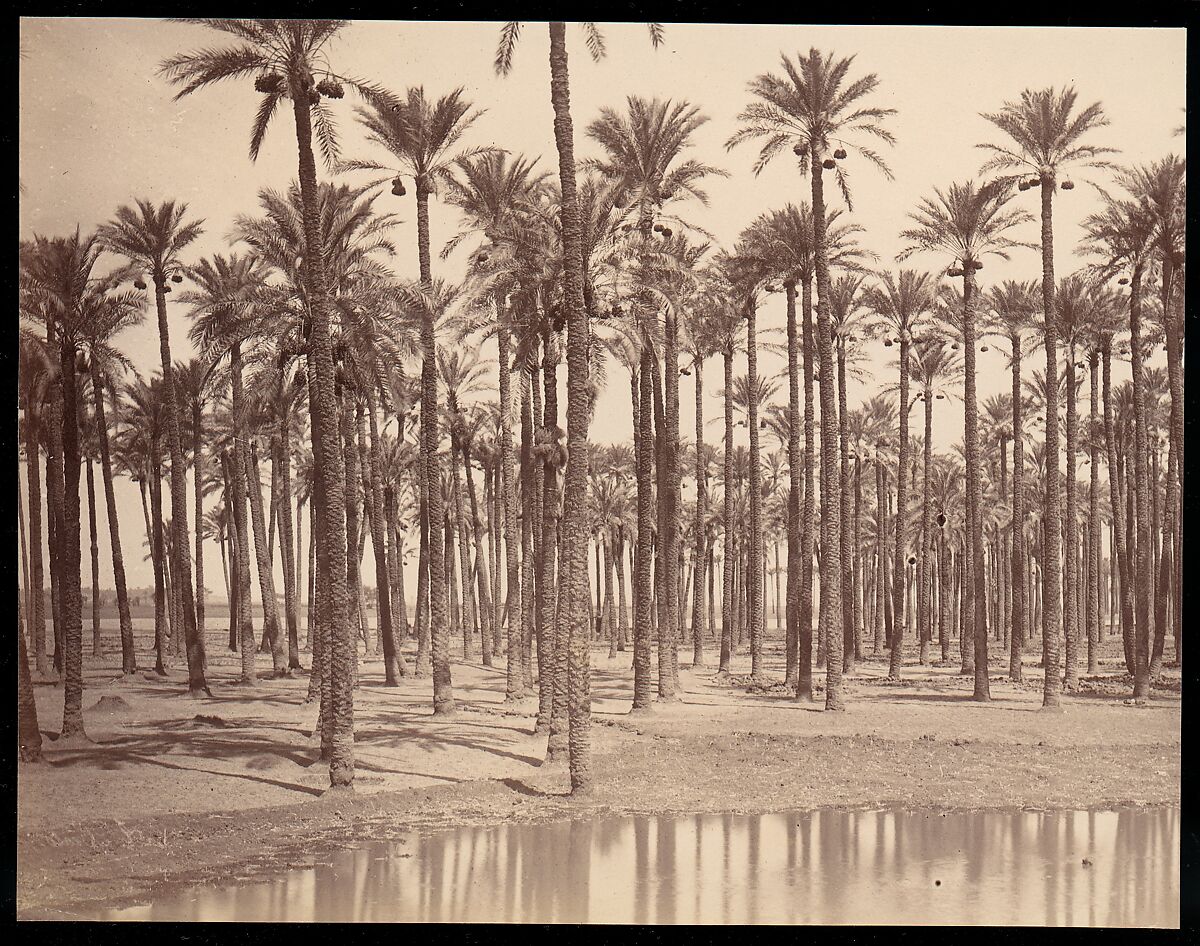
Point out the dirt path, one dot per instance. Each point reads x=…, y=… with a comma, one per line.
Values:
x=175, y=790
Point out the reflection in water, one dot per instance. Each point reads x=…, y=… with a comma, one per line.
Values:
x=1045, y=868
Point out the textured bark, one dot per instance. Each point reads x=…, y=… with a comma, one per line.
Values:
x=756, y=527
x=795, y=476
x=392, y=669
x=924, y=613
x=439, y=631
x=291, y=595
x=669, y=503
x=266, y=577
x=72, y=595
x=900, y=618
x=1143, y=574
x=642, y=578
x=548, y=587
x=241, y=540
x=198, y=493
x=181, y=563
x=331, y=552
x=516, y=604
x=37, y=627
x=1051, y=515
x=847, y=613
x=161, y=630
x=699, y=615
x=94, y=548
x=574, y=522
x=1071, y=616
x=974, y=487
x=808, y=524
x=1017, y=525
x=481, y=570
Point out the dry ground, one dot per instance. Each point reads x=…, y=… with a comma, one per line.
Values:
x=175, y=790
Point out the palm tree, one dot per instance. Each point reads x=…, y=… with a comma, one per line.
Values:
x=37, y=374
x=58, y=285
x=1046, y=139
x=899, y=306
x=153, y=239
x=222, y=307
x=285, y=54
x=1161, y=189
x=814, y=110
x=967, y=222
x=934, y=364
x=644, y=150
x=1010, y=309
x=575, y=490
x=490, y=192
x=1122, y=234
x=422, y=137
x=192, y=378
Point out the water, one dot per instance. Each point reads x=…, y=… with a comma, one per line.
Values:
x=912, y=867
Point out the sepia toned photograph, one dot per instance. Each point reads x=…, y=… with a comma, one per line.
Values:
x=600, y=473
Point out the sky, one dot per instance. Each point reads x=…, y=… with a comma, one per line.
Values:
x=99, y=128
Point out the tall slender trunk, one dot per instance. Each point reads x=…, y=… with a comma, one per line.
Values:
x=924, y=613
x=699, y=616
x=808, y=524
x=1071, y=616
x=439, y=632
x=1017, y=525
x=642, y=578
x=266, y=578
x=291, y=595
x=755, y=576
x=241, y=540
x=548, y=589
x=329, y=462
x=1123, y=559
x=37, y=628
x=481, y=562
x=669, y=505
x=847, y=613
x=899, y=569
x=181, y=564
x=151, y=481
x=1175, y=378
x=1143, y=576
x=831, y=499
x=198, y=491
x=516, y=609
x=72, y=595
x=95, y=550
x=974, y=486
x=1051, y=516
x=392, y=666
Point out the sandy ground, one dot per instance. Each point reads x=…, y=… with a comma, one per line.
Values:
x=174, y=790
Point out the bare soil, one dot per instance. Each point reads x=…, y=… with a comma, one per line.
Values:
x=172, y=790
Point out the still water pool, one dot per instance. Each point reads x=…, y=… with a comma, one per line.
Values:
x=1063, y=868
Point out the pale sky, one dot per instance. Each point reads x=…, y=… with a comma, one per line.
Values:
x=98, y=128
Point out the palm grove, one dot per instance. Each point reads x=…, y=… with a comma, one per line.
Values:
x=361, y=397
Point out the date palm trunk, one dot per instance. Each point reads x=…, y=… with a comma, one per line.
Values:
x=94, y=547
x=328, y=461
x=924, y=611
x=899, y=569
x=37, y=581
x=1071, y=616
x=699, y=615
x=392, y=667
x=1051, y=517
x=266, y=577
x=847, y=613
x=72, y=594
x=29, y=733
x=1143, y=574
x=508, y=486
x=287, y=543
x=482, y=573
x=755, y=583
x=1017, y=526
x=181, y=565
x=831, y=499
x=974, y=486
x=642, y=577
